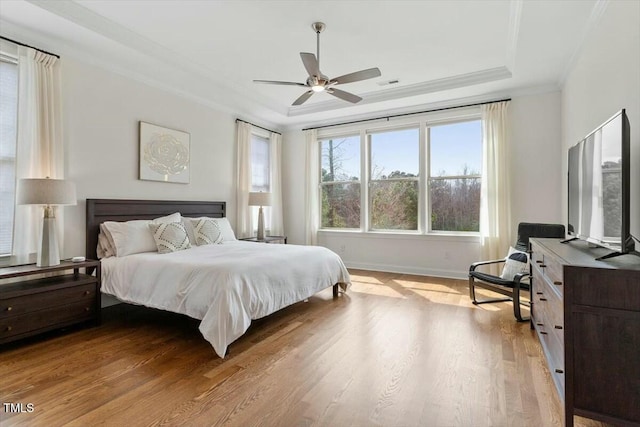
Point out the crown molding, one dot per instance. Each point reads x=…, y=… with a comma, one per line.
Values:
x=86, y=18
x=437, y=85
x=597, y=12
x=515, y=15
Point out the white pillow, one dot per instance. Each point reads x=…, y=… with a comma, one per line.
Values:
x=206, y=232
x=516, y=262
x=104, y=249
x=225, y=228
x=170, y=237
x=133, y=237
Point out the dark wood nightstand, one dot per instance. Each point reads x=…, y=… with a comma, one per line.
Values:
x=29, y=307
x=267, y=239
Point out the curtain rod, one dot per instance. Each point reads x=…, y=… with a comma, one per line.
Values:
x=408, y=114
x=268, y=130
x=26, y=45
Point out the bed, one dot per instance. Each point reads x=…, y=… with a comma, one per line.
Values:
x=225, y=285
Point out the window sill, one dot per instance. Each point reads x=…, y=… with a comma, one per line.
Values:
x=470, y=237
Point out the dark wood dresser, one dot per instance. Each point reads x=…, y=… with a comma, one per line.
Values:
x=587, y=316
x=59, y=296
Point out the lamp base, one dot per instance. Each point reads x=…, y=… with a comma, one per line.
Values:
x=260, y=225
x=48, y=253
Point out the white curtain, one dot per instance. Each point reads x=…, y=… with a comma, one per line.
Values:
x=244, y=222
x=312, y=197
x=277, y=218
x=495, y=211
x=39, y=150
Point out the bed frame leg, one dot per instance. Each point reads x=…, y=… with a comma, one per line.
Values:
x=335, y=291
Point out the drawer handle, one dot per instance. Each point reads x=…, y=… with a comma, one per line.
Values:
x=543, y=265
x=539, y=293
x=8, y=328
x=87, y=292
x=557, y=327
x=9, y=308
x=540, y=324
x=560, y=371
x=539, y=261
x=543, y=299
x=557, y=283
x=87, y=309
x=543, y=332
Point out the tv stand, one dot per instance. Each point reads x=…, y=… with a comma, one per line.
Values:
x=586, y=314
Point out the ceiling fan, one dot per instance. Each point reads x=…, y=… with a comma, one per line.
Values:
x=318, y=82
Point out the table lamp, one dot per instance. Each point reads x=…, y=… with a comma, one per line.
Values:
x=260, y=199
x=48, y=193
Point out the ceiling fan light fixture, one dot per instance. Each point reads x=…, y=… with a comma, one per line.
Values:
x=317, y=88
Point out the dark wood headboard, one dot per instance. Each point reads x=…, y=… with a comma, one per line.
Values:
x=101, y=210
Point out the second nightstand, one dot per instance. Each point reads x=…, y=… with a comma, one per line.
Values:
x=267, y=239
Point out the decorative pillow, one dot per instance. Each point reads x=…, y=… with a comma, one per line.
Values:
x=516, y=262
x=170, y=237
x=223, y=223
x=133, y=237
x=206, y=232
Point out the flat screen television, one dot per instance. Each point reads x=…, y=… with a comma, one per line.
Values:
x=599, y=181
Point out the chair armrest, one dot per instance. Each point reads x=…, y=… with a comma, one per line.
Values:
x=479, y=263
x=518, y=277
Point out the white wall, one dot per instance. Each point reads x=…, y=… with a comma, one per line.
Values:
x=535, y=177
x=101, y=114
x=604, y=79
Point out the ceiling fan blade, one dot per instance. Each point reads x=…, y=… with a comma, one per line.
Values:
x=344, y=95
x=276, y=82
x=310, y=63
x=303, y=98
x=357, y=76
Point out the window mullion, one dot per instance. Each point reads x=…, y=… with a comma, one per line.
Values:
x=365, y=162
x=423, y=207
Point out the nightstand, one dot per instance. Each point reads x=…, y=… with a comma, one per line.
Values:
x=267, y=239
x=30, y=307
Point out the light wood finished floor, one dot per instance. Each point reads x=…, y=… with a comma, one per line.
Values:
x=396, y=350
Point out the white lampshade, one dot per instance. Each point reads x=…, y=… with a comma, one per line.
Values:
x=259, y=199
x=46, y=191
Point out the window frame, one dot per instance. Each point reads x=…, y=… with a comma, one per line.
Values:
x=371, y=181
x=423, y=122
x=11, y=59
x=321, y=183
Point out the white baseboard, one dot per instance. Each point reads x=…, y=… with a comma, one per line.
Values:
x=404, y=269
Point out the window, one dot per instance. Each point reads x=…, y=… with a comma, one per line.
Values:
x=260, y=164
x=340, y=182
x=416, y=177
x=393, y=176
x=261, y=175
x=455, y=176
x=8, y=115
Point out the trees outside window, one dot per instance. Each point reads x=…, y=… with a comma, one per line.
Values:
x=393, y=176
x=340, y=182
x=422, y=178
x=455, y=176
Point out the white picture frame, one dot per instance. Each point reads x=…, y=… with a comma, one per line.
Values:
x=164, y=154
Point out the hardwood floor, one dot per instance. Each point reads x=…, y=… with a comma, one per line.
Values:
x=395, y=350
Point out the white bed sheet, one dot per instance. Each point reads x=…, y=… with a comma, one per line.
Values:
x=225, y=285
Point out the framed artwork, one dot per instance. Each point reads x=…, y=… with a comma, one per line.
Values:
x=164, y=154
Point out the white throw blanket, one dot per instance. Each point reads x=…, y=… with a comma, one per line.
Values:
x=225, y=285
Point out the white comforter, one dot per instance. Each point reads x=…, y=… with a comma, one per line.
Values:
x=225, y=285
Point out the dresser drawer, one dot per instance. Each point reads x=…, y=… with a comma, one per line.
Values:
x=34, y=302
x=46, y=319
x=550, y=267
